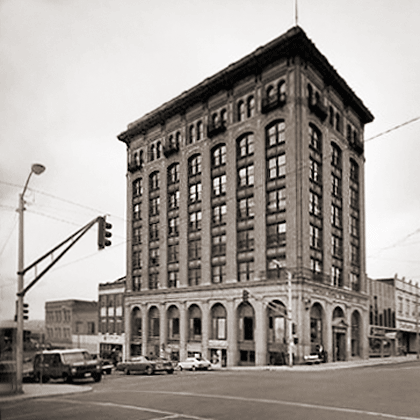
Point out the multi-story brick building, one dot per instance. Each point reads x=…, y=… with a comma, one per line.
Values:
x=382, y=318
x=72, y=323
x=111, y=318
x=256, y=172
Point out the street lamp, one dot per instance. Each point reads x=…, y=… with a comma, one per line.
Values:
x=289, y=313
x=36, y=169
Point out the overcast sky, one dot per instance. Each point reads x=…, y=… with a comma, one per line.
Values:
x=74, y=73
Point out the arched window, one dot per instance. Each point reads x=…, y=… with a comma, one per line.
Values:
x=152, y=152
x=282, y=91
x=192, y=137
x=241, y=111
x=194, y=315
x=154, y=181
x=173, y=173
x=354, y=171
x=194, y=165
x=158, y=150
x=271, y=93
x=200, y=130
x=223, y=116
x=250, y=107
x=315, y=138
x=336, y=160
x=338, y=122
x=177, y=139
x=245, y=145
x=218, y=156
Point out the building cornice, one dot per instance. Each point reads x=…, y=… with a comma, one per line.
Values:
x=291, y=44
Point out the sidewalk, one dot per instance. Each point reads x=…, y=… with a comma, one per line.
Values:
x=48, y=390
x=333, y=365
x=44, y=390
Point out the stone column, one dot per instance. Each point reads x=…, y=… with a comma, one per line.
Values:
x=232, y=334
x=144, y=328
x=205, y=330
x=260, y=335
x=163, y=330
x=327, y=331
x=183, y=320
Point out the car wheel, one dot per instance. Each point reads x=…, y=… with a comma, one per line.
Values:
x=108, y=371
x=97, y=377
x=67, y=378
x=171, y=371
x=126, y=371
x=193, y=368
x=149, y=370
x=180, y=368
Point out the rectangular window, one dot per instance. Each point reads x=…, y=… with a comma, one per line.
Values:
x=173, y=279
x=336, y=186
x=173, y=226
x=137, y=212
x=136, y=235
x=153, y=281
x=219, y=245
x=314, y=204
x=136, y=283
x=354, y=254
x=246, y=208
x=154, y=206
x=337, y=246
x=276, y=235
x=354, y=198
x=354, y=226
x=154, y=231
x=337, y=276
x=336, y=216
x=194, y=276
x=154, y=257
x=277, y=167
x=195, y=221
x=315, y=171
x=246, y=240
x=246, y=271
x=173, y=253
x=276, y=200
x=173, y=200
x=194, y=249
x=137, y=259
x=219, y=185
x=246, y=176
x=248, y=328
x=315, y=237
x=218, y=273
x=195, y=193
x=219, y=215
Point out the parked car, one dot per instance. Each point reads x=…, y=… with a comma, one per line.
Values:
x=143, y=364
x=107, y=364
x=193, y=363
x=67, y=365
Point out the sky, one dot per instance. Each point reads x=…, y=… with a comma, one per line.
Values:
x=75, y=73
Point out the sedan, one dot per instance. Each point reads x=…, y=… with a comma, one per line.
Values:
x=142, y=364
x=193, y=363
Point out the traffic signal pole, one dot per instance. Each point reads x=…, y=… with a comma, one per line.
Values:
x=21, y=272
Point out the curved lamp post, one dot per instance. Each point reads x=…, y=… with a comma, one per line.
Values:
x=36, y=169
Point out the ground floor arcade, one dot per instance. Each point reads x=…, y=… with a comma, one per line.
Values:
x=221, y=326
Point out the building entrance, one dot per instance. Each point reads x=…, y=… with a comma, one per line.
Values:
x=339, y=349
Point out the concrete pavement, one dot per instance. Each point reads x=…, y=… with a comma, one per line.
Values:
x=48, y=390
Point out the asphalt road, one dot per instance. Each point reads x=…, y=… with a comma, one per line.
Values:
x=375, y=392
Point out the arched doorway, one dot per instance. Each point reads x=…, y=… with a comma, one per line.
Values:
x=316, y=330
x=218, y=335
x=355, y=334
x=339, y=326
x=136, y=332
x=194, y=331
x=173, y=346
x=276, y=333
x=246, y=335
x=154, y=329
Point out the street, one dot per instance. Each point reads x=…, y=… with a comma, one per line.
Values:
x=387, y=391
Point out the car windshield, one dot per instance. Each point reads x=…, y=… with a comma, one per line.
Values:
x=75, y=357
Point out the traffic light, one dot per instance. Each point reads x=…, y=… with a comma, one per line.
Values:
x=245, y=295
x=26, y=311
x=103, y=233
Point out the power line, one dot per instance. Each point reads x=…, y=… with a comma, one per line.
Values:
x=393, y=128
